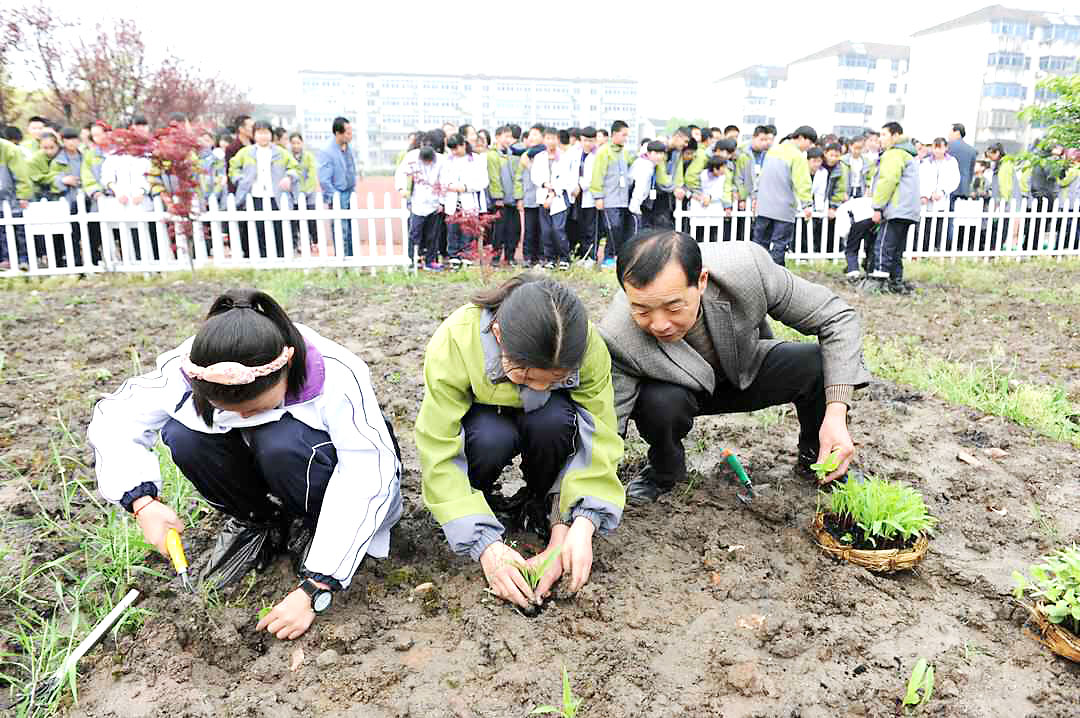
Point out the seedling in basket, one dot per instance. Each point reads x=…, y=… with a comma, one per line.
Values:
x=1054, y=583
x=882, y=511
x=533, y=575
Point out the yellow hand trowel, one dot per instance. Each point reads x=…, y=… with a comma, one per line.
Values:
x=179, y=561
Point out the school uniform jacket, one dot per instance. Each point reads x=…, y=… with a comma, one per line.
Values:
x=554, y=171
x=420, y=181
x=784, y=186
x=469, y=170
x=463, y=365
x=364, y=490
x=14, y=176
x=745, y=286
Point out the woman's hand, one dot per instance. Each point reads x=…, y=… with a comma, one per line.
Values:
x=155, y=519
x=499, y=562
x=290, y=618
x=577, y=552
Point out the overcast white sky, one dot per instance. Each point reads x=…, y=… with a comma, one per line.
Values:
x=673, y=55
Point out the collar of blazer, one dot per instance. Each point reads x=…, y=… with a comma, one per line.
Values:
x=717, y=312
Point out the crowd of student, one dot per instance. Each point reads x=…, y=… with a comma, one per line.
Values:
x=250, y=159
x=564, y=193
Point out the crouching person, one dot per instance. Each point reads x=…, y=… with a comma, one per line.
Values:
x=689, y=338
x=279, y=429
x=520, y=371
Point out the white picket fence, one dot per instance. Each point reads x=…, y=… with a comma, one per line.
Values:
x=1014, y=229
x=379, y=237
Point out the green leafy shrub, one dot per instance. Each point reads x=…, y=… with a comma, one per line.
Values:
x=1056, y=583
x=875, y=513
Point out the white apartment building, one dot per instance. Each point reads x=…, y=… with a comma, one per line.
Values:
x=845, y=89
x=385, y=107
x=748, y=98
x=982, y=68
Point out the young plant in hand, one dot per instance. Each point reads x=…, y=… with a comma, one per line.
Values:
x=533, y=574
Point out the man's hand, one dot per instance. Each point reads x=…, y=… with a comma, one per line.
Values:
x=742, y=205
x=292, y=617
x=923, y=200
x=832, y=213
x=599, y=205
x=122, y=199
x=520, y=204
x=499, y=562
x=807, y=212
x=70, y=180
x=727, y=211
x=155, y=520
x=876, y=216
x=284, y=186
x=834, y=436
x=705, y=200
x=680, y=194
x=499, y=203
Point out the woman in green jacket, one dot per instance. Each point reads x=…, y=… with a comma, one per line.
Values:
x=520, y=370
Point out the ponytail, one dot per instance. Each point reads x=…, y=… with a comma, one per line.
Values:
x=250, y=328
x=543, y=324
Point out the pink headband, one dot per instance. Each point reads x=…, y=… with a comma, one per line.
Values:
x=234, y=373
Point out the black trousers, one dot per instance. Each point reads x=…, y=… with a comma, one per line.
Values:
x=662, y=213
x=507, y=233
x=888, y=253
x=282, y=470
x=260, y=229
x=862, y=230
x=531, y=253
x=664, y=413
x=544, y=438
x=586, y=234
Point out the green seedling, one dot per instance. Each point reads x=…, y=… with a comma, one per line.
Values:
x=570, y=703
x=884, y=510
x=1056, y=583
x=533, y=575
x=831, y=464
x=920, y=686
x=265, y=611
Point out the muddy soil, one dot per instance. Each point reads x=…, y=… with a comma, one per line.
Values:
x=698, y=605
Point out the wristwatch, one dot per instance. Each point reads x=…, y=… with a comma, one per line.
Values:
x=321, y=598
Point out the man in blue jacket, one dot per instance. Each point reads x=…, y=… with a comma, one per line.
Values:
x=965, y=158
x=337, y=174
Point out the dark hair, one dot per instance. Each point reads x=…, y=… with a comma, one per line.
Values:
x=279, y=132
x=589, y=132
x=48, y=134
x=813, y=152
x=69, y=133
x=485, y=134
x=550, y=131
x=835, y=146
x=691, y=144
x=436, y=139
x=503, y=129
x=13, y=134
x=239, y=121
x=997, y=147
x=714, y=130
x=893, y=127
x=427, y=154
x=645, y=141
x=338, y=127
x=538, y=127
x=296, y=135
x=647, y=253
x=695, y=127
x=684, y=131
x=618, y=125
x=871, y=133
x=729, y=128
x=715, y=162
x=37, y=118
x=941, y=142
x=461, y=129
x=456, y=140
x=245, y=326
x=228, y=138
x=543, y=325
x=515, y=131
x=262, y=125
x=139, y=120
x=984, y=163
x=88, y=124
x=728, y=145
x=771, y=129
x=573, y=132
x=656, y=146
x=601, y=131
x=804, y=131
x=761, y=130
x=959, y=127
x=564, y=137
x=177, y=117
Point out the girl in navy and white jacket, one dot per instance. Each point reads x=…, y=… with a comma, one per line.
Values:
x=271, y=422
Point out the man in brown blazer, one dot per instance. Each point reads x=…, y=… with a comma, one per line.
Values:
x=688, y=336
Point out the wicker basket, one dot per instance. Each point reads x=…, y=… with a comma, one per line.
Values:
x=1060, y=640
x=884, y=561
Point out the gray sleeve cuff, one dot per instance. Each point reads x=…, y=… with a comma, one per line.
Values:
x=604, y=515
x=470, y=535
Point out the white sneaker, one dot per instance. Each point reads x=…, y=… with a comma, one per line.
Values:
x=853, y=274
